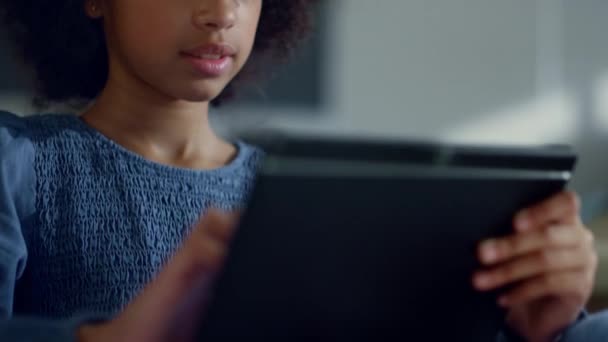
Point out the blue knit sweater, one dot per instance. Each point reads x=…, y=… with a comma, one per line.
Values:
x=85, y=223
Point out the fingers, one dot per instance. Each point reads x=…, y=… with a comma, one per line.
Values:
x=208, y=244
x=521, y=258
x=495, y=251
x=218, y=225
x=574, y=285
x=204, y=251
x=562, y=208
x=532, y=265
x=169, y=304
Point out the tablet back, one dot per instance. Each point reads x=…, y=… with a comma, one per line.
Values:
x=335, y=247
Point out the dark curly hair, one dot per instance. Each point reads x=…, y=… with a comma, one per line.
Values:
x=68, y=55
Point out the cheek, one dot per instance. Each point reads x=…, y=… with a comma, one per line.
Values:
x=149, y=29
x=248, y=35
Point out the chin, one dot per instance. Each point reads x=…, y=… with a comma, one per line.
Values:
x=198, y=98
x=198, y=94
x=198, y=91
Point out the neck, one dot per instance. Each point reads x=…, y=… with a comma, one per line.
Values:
x=159, y=128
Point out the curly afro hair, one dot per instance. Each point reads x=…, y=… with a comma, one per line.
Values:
x=67, y=52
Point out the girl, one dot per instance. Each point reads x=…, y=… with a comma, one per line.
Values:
x=96, y=209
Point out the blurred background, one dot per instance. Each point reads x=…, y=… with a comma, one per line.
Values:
x=478, y=71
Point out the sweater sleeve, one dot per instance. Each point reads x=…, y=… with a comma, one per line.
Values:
x=17, y=203
x=591, y=328
x=17, y=181
x=509, y=336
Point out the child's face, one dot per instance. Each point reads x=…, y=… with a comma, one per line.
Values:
x=183, y=49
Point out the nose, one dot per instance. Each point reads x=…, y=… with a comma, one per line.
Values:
x=215, y=15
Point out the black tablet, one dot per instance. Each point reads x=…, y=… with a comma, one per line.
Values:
x=361, y=240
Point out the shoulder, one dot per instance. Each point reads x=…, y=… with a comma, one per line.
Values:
x=14, y=127
x=17, y=177
x=249, y=158
x=11, y=127
x=22, y=135
x=15, y=144
x=43, y=133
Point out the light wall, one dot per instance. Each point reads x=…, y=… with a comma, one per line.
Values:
x=516, y=71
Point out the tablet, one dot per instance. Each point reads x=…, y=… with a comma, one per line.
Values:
x=360, y=240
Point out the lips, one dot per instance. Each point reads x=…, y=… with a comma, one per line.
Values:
x=211, y=60
x=212, y=51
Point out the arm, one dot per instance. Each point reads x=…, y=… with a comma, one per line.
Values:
x=17, y=196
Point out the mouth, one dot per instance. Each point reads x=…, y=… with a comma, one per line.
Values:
x=211, y=51
x=206, y=56
x=211, y=60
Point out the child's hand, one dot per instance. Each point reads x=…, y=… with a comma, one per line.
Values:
x=169, y=308
x=549, y=264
